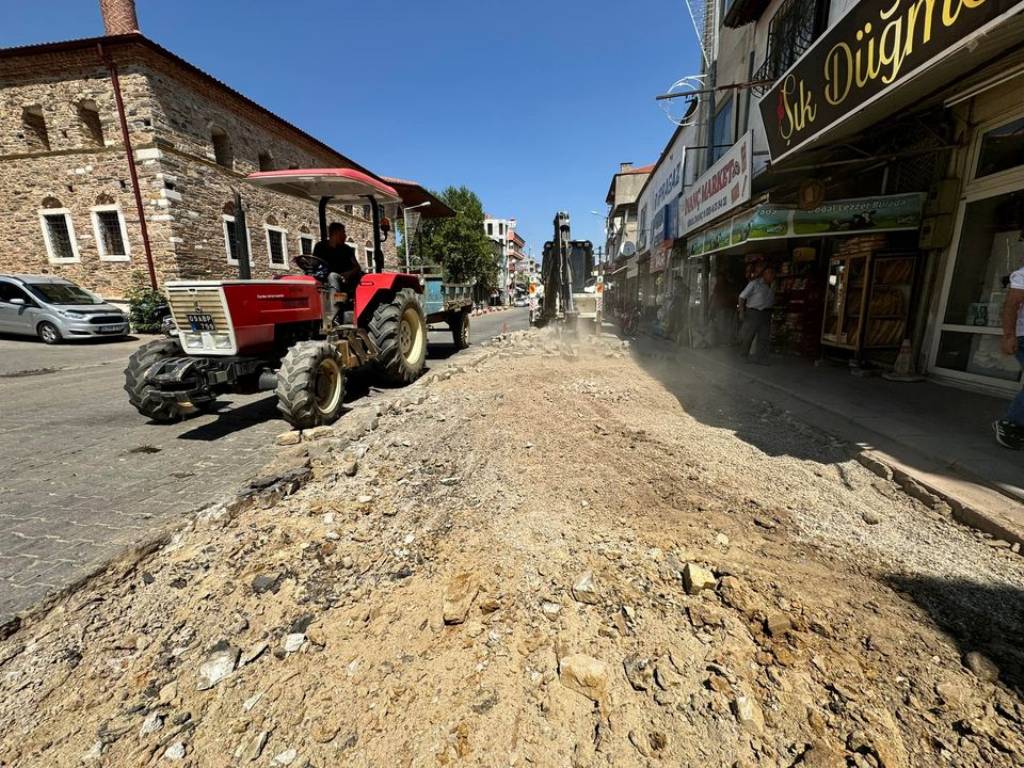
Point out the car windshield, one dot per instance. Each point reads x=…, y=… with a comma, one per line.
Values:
x=63, y=293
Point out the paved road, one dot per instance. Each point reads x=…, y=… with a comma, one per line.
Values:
x=84, y=476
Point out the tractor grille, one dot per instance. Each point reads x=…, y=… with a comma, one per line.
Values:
x=205, y=300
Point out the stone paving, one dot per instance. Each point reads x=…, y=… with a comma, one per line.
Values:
x=84, y=476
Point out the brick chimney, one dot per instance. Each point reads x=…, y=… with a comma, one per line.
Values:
x=623, y=167
x=119, y=17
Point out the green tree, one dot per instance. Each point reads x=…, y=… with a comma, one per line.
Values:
x=459, y=243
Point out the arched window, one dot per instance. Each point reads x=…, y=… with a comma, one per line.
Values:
x=222, y=153
x=91, y=126
x=33, y=126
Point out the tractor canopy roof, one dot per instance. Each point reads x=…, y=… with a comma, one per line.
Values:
x=342, y=185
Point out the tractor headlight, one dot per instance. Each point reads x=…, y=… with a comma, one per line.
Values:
x=193, y=341
x=222, y=341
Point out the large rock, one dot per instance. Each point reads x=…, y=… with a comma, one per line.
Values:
x=458, y=597
x=219, y=664
x=748, y=713
x=585, y=675
x=585, y=590
x=696, y=579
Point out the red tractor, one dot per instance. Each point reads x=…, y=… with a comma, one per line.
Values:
x=292, y=334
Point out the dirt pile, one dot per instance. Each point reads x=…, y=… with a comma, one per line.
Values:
x=540, y=556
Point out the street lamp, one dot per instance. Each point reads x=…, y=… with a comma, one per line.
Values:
x=405, y=221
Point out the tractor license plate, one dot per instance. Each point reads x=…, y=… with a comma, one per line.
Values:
x=200, y=322
x=111, y=328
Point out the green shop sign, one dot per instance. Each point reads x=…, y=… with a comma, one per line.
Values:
x=840, y=217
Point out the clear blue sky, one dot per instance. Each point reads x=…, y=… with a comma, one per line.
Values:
x=531, y=104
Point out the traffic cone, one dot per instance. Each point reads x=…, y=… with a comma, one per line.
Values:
x=903, y=368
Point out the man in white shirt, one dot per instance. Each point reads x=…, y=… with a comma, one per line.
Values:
x=1010, y=431
x=755, y=308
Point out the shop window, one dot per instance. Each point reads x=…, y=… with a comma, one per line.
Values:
x=111, y=235
x=990, y=248
x=721, y=131
x=59, y=235
x=305, y=244
x=277, y=247
x=231, y=239
x=222, y=153
x=1001, y=149
x=92, y=128
x=34, y=131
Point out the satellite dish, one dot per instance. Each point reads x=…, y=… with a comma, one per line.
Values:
x=628, y=249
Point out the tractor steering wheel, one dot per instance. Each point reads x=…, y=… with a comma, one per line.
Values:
x=312, y=265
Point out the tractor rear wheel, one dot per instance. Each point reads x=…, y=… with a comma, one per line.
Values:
x=460, y=330
x=399, y=330
x=145, y=397
x=311, y=384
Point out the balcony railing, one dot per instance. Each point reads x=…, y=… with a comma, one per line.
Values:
x=792, y=30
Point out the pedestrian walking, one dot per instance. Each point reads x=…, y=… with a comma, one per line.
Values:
x=755, y=310
x=1010, y=431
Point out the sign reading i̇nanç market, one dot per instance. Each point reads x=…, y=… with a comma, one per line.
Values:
x=878, y=43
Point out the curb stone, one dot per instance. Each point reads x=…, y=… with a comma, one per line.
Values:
x=939, y=500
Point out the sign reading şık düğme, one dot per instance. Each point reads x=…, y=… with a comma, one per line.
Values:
x=875, y=45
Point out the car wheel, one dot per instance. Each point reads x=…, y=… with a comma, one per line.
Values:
x=49, y=333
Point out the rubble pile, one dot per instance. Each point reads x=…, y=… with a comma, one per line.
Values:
x=540, y=555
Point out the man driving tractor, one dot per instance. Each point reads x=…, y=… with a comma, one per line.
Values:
x=342, y=267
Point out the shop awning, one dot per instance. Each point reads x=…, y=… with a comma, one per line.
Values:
x=861, y=215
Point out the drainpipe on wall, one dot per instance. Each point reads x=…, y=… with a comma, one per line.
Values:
x=116, y=82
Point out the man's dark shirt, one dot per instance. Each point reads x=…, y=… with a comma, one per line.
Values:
x=339, y=258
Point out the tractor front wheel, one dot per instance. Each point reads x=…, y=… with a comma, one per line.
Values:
x=144, y=396
x=311, y=384
x=399, y=330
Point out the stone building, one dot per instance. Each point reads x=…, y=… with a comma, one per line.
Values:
x=67, y=196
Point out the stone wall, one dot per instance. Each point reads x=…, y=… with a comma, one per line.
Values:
x=82, y=165
x=172, y=115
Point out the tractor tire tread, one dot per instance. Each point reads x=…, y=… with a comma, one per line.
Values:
x=141, y=395
x=383, y=328
x=296, y=401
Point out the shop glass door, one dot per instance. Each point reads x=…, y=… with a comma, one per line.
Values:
x=990, y=247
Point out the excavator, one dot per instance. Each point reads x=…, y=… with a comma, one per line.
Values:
x=568, y=264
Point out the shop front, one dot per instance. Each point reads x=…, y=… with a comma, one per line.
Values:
x=987, y=245
x=847, y=274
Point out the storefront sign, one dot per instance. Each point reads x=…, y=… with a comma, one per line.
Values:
x=663, y=233
x=725, y=185
x=661, y=190
x=875, y=46
x=840, y=217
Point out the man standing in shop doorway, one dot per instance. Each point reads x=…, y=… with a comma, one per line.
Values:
x=1010, y=431
x=755, y=309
